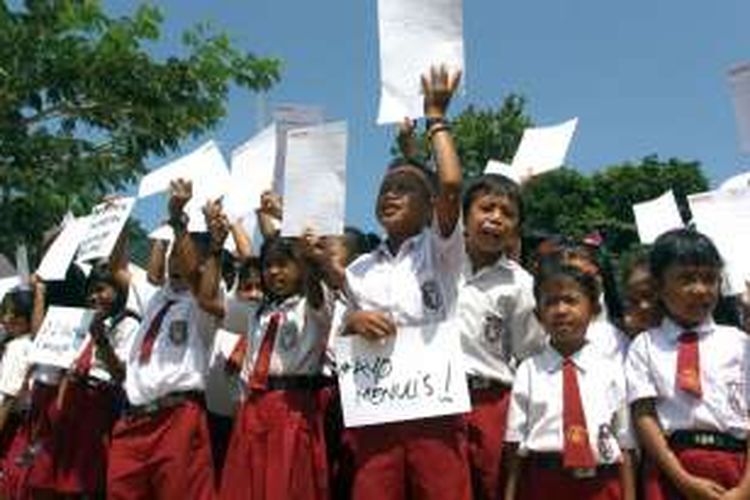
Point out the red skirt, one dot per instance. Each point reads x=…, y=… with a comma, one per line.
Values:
x=541, y=483
x=723, y=467
x=75, y=440
x=486, y=430
x=277, y=449
x=15, y=443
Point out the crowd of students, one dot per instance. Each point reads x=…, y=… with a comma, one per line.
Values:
x=577, y=392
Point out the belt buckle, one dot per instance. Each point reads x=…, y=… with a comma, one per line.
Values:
x=583, y=473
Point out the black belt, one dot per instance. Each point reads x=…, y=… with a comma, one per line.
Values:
x=479, y=383
x=299, y=382
x=165, y=402
x=707, y=440
x=91, y=382
x=554, y=461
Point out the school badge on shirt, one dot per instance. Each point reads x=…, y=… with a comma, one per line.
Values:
x=604, y=443
x=178, y=332
x=432, y=299
x=289, y=337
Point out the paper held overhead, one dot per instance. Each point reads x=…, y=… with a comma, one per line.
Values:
x=106, y=222
x=57, y=260
x=500, y=168
x=724, y=216
x=288, y=117
x=739, y=82
x=315, y=180
x=253, y=166
x=543, y=148
x=205, y=167
x=415, y=35
x=737, y=182
x=7, y=284
x=655, y=217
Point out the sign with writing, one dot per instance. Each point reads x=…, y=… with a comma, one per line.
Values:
x=418, y=373
x=61, y=336
x=105, y=225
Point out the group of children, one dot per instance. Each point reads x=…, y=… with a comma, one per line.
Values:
x=575, y=394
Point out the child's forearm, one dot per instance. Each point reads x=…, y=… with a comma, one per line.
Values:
x=448, y=202
x=627, y=475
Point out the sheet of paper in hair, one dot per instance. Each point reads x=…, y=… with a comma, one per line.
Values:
x=657, y=216
x=543, y=149
x=60, y=254
x=415, y=35
x=739, y=82
x=205, y=167
x=61, y=336
x=315, y=180
x=724, y=216
x=288, y=117
x=106, y=222
x=418, y=373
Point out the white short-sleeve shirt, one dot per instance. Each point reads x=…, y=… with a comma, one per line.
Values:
x=725, y=376
x=119, y=338
x=609, y=339
x=418, y=285
x=14, y=368
x=301, y=338
x=179, y=358
x=535, y=417
x=496, y=319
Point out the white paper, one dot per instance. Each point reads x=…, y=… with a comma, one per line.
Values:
x=655, y=217
x=288, y=117
x=724, y=216
x=8, y=284
x=56, y=261
x=544, y=148
x=22, y=263
x=418, y=373
x=315, y=180
x=253, y=167
x=500, y=168
x=739, y=82
x=737, y=182
x=414, y=36
x=106, y=222
x=61, y=335
x=163, y=233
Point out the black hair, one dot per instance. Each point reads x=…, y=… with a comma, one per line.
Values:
x=229, y=267
x=496, y=185
x=638, y=258
x=20, y=301
x=279, y=248
x=554, y=269
x=70, y=292
x=430, y=175
x=247, y=266
x=682, y=247
x=357, y=242
x=102, y=273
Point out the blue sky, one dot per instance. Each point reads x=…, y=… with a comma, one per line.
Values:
x=644, y=76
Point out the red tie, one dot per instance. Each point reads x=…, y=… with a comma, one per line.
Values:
x=235, y=360
x=577, y=452
x=688, y=365
x=259, y=378
x=153, y=331
x=84, y=361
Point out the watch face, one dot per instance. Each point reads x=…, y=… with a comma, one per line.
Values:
x=178, y=331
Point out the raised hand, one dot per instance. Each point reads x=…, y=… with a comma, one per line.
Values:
x=438, y=87
x=180, y=193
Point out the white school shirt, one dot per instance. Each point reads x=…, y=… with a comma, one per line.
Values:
x=606, y=337
x=340, y=306
x=120, y=340
x=179, y=359
x=223, y=391
x=418, y=285
x=724, y=365
x=14, y=370
x=301, y=338
x=496, y=319
x=535, y=417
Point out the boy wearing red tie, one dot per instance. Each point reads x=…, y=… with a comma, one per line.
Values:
x=160, y=446
x=568, y=423
x=688, y=380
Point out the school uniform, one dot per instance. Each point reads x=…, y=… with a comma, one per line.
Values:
x=277, y=447
x=699, y=381
x=160, y=445
x=498, y=330
x=73, y=435
x=14, y=440
x=425, y=458
x=609, y=339
x=569, y=419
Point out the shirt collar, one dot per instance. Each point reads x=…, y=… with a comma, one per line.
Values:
x=673, y=331
x=501, y=264
x=552, y=361
x=408, y=245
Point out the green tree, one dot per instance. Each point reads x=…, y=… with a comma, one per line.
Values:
x=484, y=134
x=83, y=104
